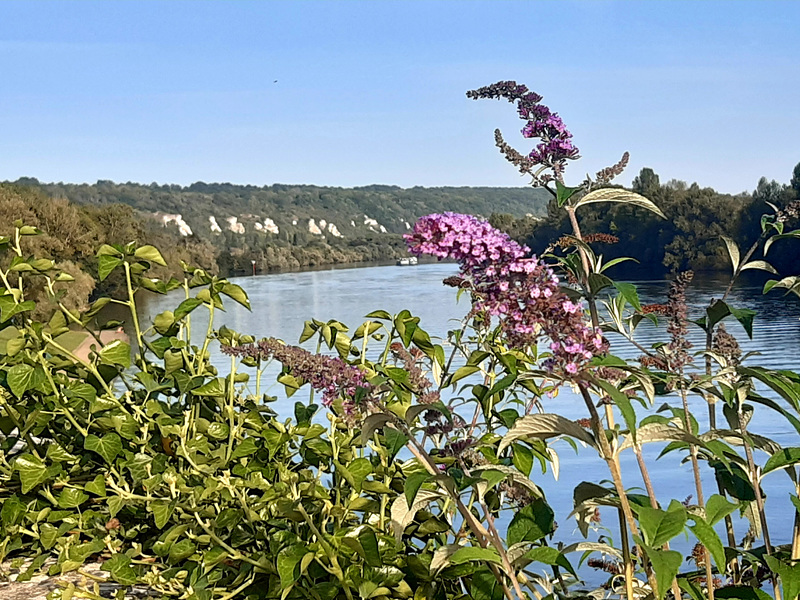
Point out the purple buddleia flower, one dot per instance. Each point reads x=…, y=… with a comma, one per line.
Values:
x=521, y=291
x=329, y=375
x=556, y=145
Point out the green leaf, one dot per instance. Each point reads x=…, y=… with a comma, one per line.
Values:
x=214, y=388
x=287, y=561
x=19, y=379
x=564, y=193
x=379, y=314
x=761, y=265
x=484, y=586
x=619, y=196
x=786, y=457
x=106, y=250
x=97, y=486
x=522, y=458
x=181, y=550
x=119, y=565
x=463, y=372
x=218, y=431
x=235, y=292
x=733, y=251
x=395, y=441
x=106, y=264
x=544, y=426
x=369, y=542
x=115, y=504
x=359, y=469
x=623, y=402
x=531, y=523
x=150, y=254
x=550, y=556
x=474, y=553
x=246, y=448
x=13, y=511
x=371, y=424
x=48, y=534
x=412, y=485
x=162, y=512
x=163, y=321
x=717, y=508
x=745, y=316
x=109, y=446
x=186, y=307
x=116, y=353
x=629, y=292
x=783, y=236
x=71, y=498
x=708, y=537
x=789, y=574
x=665, y=564
x=402, y=513
x=660, y=526
x=32, y=471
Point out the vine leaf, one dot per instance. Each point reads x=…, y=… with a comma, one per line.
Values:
x=619, y=196
x=20, y=378
x=32, y=471
x=109, y=446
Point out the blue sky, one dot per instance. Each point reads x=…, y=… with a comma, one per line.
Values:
x=373, y=92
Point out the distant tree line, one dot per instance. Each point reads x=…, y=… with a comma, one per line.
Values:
x=688, y=239
x=76, y=219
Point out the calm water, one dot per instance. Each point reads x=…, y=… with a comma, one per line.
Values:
x=282, y=302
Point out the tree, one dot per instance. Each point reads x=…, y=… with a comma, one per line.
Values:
x=646, y=182
x=768, y=191
x=795, y=182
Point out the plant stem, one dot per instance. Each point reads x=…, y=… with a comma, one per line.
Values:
x=576, y=230
x=613, y=466
x=134, y=316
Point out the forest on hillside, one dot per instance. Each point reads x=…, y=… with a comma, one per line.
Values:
x=76, y=219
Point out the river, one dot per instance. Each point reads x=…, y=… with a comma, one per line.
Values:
x=282, y=302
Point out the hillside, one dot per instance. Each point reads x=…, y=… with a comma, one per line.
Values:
x=296, y=213
x=235, y=229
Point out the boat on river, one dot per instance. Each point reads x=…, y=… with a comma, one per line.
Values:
x=407, y=261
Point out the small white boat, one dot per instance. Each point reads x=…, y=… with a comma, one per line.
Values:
x=407, y=261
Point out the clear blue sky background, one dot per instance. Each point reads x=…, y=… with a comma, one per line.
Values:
x=373, y=92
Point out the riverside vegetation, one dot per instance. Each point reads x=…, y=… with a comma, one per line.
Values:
x=410, y=471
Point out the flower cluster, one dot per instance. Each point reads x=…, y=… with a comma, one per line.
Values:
x=556, y=145
x=329, y=375
x=522, y=292
x=677, y=327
